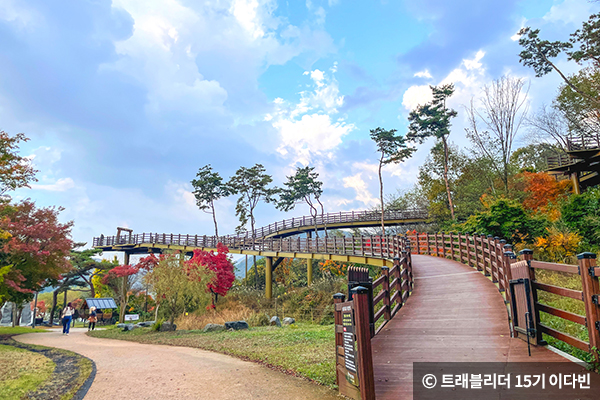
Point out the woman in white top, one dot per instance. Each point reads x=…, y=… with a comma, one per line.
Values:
x=67, y=315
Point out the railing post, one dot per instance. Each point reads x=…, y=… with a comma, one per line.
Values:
x=443, y=245
x=591, y=298
x=360, y=296
x=527, y=255
x=387, y=314
x=339, y=336
x=418, y=247
x=409, y=273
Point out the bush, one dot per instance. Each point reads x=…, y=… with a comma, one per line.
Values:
x=259, y=319
x=157, y=325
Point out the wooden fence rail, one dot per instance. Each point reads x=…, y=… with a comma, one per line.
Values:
x=356, y=319
x=304, y=223
x=367, y=246
x=494, y=257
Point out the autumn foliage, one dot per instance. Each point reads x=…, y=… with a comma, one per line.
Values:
x=220, y=265
x=37, y=246
x=543, y=190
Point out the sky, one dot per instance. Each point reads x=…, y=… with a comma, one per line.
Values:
x=124, y=101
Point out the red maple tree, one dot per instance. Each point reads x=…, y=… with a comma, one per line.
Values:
x=37, y=248
x=220, y=264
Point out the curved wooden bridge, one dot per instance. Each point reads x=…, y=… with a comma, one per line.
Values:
x=458, y=298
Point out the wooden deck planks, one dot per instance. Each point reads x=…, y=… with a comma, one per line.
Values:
x=452, y=316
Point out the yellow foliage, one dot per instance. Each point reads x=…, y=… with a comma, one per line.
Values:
x=558, y=246
x=332, y=267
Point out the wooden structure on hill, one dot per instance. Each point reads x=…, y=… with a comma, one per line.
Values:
x=580, y=163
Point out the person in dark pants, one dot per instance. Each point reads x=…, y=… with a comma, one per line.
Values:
x=67, y=315
x=92, y=319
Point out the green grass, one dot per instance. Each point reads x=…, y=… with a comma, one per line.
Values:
x=21, y=371
x=17, y=330
x=568, y=281
x=304, y=349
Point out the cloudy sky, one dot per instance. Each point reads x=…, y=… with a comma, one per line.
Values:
x=125, y=100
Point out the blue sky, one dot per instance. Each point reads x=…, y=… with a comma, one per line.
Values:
x=125, y=100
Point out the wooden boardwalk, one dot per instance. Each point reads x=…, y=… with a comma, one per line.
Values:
x=455, y=314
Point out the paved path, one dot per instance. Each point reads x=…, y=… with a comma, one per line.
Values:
x=128, y=370
x=455, y=314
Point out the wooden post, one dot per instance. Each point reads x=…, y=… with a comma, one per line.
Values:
x=360, y=296
x=528, y=256
x=437, y=248
x=591, y=299
x=385, y=286
x=268, y=277
x=123, y=291
x=418, y=247
x=339, y=338
x=451, y=246
x=443, y=245
x=309, y=271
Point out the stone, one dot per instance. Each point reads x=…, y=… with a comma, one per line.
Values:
x=275, y=321
x=213, y=328
x=236, y=325
x=288, y=320
x=128, y=327
x=168, y=327
x=146, y=324
x=121, y=325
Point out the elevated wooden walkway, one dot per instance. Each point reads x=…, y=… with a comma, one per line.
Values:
x=455, y=314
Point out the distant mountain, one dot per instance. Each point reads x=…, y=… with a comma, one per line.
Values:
x=240, y=266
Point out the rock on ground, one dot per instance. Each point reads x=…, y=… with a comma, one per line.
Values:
x=275, y=321
x=236, y=325
x=213, y=328
x=288, y=320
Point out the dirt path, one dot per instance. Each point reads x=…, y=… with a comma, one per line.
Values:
x=127, y=370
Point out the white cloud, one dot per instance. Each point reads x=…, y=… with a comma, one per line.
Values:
x=313, y=134
x=59, y=186
x=307, y=129
x=570, y=11
x=363, y=194
x=423, y=74
x=416, y=95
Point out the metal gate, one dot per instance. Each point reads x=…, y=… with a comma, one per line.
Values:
x=522, y=302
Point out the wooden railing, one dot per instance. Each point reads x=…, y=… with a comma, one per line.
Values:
x=303, y=223
x=366, y=246
x=355, y=321
x=495, y=258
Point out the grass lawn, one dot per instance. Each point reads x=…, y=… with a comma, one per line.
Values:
x=21, y=371
x=17, y=330
x=302, y=349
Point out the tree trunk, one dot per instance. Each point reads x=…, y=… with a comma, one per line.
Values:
x=212, y=207
x=14, y=314
x=19, y=314
x=381, y=195
x=255, y=272
x=450, y=203
x=123, y=300
x=65, y=299
x=53, y=309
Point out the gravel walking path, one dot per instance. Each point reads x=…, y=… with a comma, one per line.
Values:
x=127, y=370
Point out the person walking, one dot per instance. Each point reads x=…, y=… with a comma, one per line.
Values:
x=92, y=319
x=67, y=315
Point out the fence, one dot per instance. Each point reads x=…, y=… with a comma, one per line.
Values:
x=304, y=223
x=355, y=321
x=367, y=246
x=495, y=258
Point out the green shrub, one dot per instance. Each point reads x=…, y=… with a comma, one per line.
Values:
x=259, y=319
x=157, y=325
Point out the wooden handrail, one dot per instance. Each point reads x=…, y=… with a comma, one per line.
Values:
x=494, y=258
